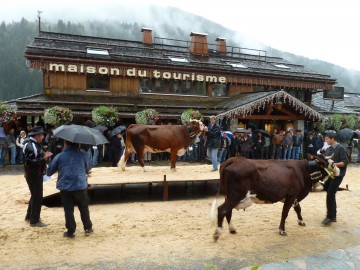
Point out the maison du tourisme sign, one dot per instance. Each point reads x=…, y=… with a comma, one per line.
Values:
x=175, y=75
x=134, y=72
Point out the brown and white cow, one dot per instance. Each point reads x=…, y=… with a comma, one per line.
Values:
x=159, y=138
x=244, y=181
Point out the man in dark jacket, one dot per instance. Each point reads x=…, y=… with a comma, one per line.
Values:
x=73, y=167
x=213, y=140
x=340, y=157
x=224, y=148
x=297, y=144
x=259, y=143
x=34, y=167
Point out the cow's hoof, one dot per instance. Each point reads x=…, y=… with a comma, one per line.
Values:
x=282, y=233
x=216, y=235
x=301, y=223
x=233, y=231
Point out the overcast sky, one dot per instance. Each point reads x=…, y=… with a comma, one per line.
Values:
x=318, y=29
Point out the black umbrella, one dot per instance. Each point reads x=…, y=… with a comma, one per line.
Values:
x=357, y=133
x=345, y=135
x=265, y=133
x=242, y=130
x=89, y=124
x=101, y=128
x=80, y=134
x=117, y=130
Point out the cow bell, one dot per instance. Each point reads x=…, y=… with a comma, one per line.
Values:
x=318, y=187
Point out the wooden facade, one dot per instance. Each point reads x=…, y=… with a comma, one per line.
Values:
x=170, y=76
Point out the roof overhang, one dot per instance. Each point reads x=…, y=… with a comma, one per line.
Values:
x=249, y=107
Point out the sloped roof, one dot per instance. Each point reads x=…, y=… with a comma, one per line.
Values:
x=350, y=104
x=48, y=45
x=241, y=105
x=82, y=105
x=246, y=104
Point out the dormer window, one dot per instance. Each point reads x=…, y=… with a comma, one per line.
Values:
x=179, y=59
x=281, y=66
x=97, y=51
x=237, y=65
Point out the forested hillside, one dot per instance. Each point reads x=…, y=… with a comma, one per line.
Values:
x=17, y=80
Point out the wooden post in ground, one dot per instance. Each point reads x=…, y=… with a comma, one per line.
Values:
x=166, y=189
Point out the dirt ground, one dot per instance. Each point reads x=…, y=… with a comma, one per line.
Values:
x=173, y=234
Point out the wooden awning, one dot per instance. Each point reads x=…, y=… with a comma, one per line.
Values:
x=246, y=107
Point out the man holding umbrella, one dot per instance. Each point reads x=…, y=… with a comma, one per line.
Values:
x=73, y=167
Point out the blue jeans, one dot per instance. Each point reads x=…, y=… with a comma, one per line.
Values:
x=296, y=152
x=212, y=155
x=287, y=153
x=89, y=156
x=95, y=157
x=12, y=150
x=222, y=155
x=358, y=157
x=2, y=154
x=184, y=157
x=195, y=152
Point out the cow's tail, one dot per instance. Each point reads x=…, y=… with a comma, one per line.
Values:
x=222, y=188
x=213, y=206
x=122, y=162
x=213, y=212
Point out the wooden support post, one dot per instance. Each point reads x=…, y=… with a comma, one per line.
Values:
x=166, y=189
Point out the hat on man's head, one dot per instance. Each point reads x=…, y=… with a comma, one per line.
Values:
x=36, y=130
x=330, y=133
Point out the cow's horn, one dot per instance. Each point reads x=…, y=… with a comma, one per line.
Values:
x=318, y=152
x=329, y=157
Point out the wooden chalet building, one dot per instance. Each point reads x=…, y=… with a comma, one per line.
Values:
x=240, y=86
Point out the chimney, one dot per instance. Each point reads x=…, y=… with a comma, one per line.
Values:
x=147, y=36
x=199, y=45
x=221, y=45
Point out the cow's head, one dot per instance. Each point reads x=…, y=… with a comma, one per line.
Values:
x=326, y=167
x=197, y=126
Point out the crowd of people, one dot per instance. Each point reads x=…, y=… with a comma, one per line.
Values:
x=257, y=144
x=213, y=146
x=11, y=144
x=13, y=141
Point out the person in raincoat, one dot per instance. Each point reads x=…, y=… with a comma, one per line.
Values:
x=73, y=167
